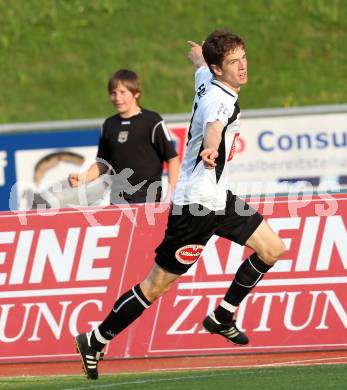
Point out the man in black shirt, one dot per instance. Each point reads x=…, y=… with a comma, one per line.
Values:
x=133, y=145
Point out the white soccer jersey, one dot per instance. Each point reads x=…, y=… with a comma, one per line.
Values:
x=213, y=101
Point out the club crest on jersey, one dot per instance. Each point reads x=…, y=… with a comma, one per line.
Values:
x=123, y=136
x=189, y=254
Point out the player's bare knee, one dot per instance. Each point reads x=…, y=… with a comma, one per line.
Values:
x=273, y=253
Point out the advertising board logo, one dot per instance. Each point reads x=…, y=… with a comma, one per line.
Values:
x=189, y=254
x=269, y=141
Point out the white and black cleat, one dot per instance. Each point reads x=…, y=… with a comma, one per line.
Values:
x=229, y=331
x=90, y=358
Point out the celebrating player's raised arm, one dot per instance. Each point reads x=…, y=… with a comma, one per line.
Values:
x=195, y=55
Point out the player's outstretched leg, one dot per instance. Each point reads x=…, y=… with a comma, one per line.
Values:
x=89, y=356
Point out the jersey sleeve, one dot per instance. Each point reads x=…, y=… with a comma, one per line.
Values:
x=162, y=141
x=203, y=75
x=103, y=150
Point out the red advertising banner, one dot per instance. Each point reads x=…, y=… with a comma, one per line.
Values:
x=61, y=271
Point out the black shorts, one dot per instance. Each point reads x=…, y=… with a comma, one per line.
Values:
x=189, y=228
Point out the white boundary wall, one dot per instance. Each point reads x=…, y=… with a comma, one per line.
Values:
x=183, y=117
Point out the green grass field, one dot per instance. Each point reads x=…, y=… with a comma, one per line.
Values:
x=322, y=377
x=56, y=55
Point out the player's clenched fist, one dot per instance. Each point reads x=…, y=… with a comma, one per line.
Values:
x=208, y=157
x=75, y=180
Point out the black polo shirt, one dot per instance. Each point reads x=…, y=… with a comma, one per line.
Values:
x=141, y=143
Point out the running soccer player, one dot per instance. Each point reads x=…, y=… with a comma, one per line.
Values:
x=202, y=205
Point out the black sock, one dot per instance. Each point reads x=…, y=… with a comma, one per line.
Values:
x=249, y=274
x=125, y=311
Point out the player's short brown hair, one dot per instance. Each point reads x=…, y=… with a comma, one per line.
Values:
x=218, y=44
x=128, y=78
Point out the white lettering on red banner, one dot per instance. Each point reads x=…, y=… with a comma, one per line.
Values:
x=59, y=276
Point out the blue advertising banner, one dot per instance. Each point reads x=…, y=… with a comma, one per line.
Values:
x=275, y=154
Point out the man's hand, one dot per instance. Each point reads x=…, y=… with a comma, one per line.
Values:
x=75, y=180
x=208, y=157
x=195, y=55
